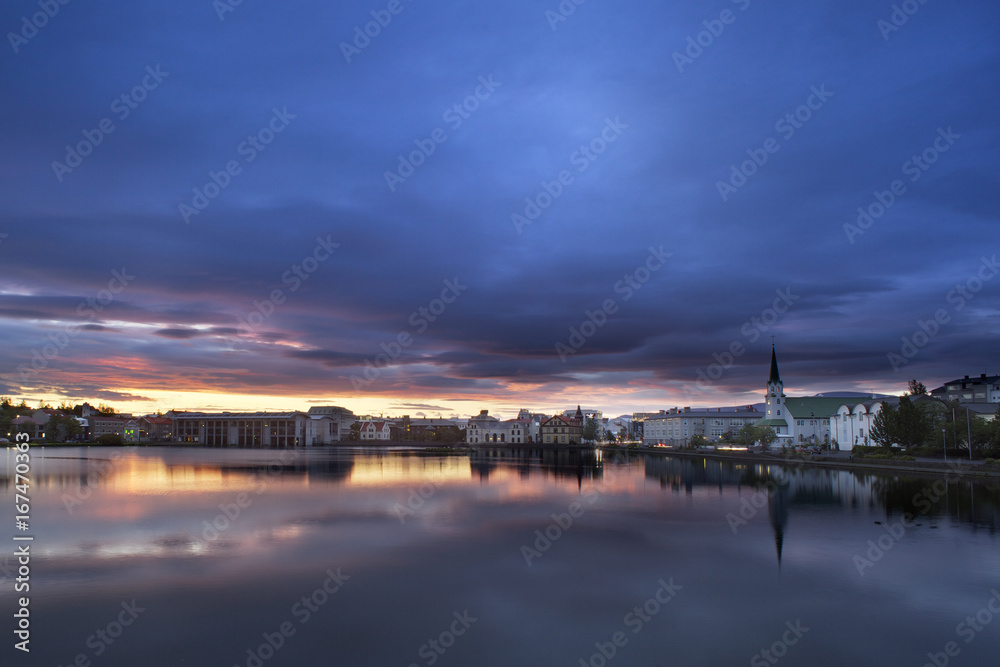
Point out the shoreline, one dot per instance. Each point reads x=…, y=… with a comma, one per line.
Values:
x=966, y=469
x=974, y=470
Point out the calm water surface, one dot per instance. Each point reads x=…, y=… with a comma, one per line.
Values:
x=507, y=558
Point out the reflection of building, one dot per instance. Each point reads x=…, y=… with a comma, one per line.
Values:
x=579, y=465
x=268, y=430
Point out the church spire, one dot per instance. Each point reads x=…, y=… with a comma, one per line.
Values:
x=775, y=378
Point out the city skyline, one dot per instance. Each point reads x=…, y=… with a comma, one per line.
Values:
x=397, y=207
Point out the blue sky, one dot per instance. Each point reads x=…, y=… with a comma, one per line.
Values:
x=673, y=182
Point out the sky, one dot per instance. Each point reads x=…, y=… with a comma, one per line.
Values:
x=410, y=207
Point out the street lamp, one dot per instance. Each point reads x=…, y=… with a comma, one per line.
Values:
x=968, y=423
x=944, y=443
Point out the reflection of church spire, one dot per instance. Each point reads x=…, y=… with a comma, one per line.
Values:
x=777, y=510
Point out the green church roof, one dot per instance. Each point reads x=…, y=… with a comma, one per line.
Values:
x=814, y=407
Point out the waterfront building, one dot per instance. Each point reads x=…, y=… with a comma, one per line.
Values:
x=484, y=428
x=101, y=424
x=984, y=389
x=796, y=421
x=677, y=426
x=341, y=416
x=155, y=429
x=375, y=430
x=264, y=430
x=852, y=423
x=563, y=430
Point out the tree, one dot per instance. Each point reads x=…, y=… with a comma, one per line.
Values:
x=750, y=434
x=355, y=432
x=106, y=410
x=698, y=440
x=913, y=426
x=885, y=427
x=766, y=435
x=590, y=431
x=917, y=388
x=62, y=428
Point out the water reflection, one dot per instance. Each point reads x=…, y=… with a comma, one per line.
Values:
x=217, y=545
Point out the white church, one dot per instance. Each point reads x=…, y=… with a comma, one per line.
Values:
x=837, y=422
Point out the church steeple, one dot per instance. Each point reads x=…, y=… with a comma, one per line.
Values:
x=775, y=390
x=775, y=378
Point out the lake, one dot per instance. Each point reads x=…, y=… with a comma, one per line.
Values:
x=368, y=557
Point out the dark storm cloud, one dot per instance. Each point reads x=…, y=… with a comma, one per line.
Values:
x=303, y=264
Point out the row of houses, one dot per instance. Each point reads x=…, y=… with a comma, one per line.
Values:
x=811, y=420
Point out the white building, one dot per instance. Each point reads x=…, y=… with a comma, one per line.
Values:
x=483, y=429
x=264, y=430
x=342, y=417
x=676, y=427
x=375, y=430
x=852, y=424
x=796, y=421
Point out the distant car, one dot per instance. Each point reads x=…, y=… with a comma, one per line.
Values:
x=4, y=441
